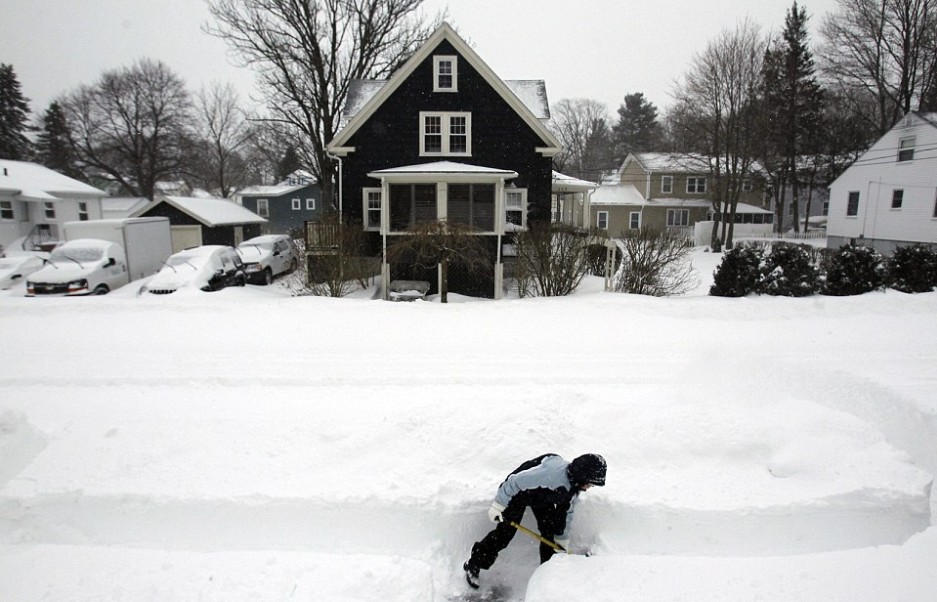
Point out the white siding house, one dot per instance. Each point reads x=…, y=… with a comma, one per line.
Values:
x=888, y=197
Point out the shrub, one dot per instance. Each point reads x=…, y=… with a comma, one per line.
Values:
x=655, y=262
x=790, y=271
x=739, y=273
x=854, y=270
x=913, y=269
x=551, y=260
x=596, y=256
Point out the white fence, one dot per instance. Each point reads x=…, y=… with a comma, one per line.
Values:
x=702, y=233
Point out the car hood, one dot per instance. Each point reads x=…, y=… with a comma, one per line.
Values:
x=183, y=276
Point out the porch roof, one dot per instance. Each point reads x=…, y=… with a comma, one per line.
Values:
x=444, y=170
x=564, y=183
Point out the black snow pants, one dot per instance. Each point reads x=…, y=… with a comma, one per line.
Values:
x=550, y=522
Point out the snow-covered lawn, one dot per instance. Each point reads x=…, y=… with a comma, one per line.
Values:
x=248, y=445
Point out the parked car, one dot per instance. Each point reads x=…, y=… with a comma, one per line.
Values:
x=86, y=266
x=266, y=257
x=208, y=268
x=13, y=270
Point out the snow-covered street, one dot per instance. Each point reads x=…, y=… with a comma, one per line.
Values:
x=248, y=445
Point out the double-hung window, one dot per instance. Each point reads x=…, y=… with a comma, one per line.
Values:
x=445, y=134
x=82, y=211
x=372, y=208
x=601, y=220
x=852, y=205
x=6, y=210
x=310, y=204
x=263, y=207
x=515, y=207
x=297, y=205
x=49, y=209
x=696, y=185
x=445, y=74
x=666, y=184
x=634, y=220
x=906, y=149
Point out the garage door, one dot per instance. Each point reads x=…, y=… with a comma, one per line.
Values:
x=184, y=237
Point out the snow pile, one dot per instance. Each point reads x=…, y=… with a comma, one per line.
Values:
x=246, y=445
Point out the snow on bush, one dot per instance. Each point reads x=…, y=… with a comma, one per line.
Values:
x=854, y=270
x=913, y=269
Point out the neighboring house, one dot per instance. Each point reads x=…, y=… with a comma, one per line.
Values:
x=570, y=203
x=446, y=139
x=668, y=190
x=286, y=206
x=116, y=207
x=35, y=201
x=888, y=197
x=204, y=221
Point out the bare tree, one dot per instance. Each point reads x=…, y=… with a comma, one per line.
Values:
x=552, y=259
x=581, y=124
x=134, y=125
x=654, y=262
x=885, y=50
x=306, y=52
x=223, y=133
x=717, y=107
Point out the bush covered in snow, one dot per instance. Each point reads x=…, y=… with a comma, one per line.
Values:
x=854, y=270
x=740, y=272
x=791, y=271
x=913, y=269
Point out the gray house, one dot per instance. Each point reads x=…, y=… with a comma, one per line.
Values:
x=286, y=206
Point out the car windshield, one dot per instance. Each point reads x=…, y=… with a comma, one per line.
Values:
x=77, y=254
x=247, y=246
x=186, y=260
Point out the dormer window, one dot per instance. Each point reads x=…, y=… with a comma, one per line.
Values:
x=906, y=149
x=445, y=74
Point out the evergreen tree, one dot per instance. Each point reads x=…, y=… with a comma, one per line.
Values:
x=14, y=114
x=53, y=147
x=793, y=104
x=637, y=128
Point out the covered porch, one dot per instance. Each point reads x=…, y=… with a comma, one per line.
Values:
x=571, y=200
x=470, y=195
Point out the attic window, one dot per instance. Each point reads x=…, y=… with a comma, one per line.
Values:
x=445, y=74
x=906, y=149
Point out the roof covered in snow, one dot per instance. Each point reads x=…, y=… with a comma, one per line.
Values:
x=276, y=190
x=444, y=167
x=617, y=194
x=209, y=211
x=564, y=183
x=31, y=181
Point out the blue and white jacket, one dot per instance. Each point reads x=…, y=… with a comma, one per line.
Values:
x=544, y=483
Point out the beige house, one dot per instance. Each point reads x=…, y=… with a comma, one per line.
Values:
x=666, y=190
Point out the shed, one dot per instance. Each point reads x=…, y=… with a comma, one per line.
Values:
x=204, y=221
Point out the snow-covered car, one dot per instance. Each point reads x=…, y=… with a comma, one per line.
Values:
x=13, y=270
x=266, y=257
x=208, y=268
x=85, y=266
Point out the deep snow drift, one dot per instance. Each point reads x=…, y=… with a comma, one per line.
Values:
x=247, y=445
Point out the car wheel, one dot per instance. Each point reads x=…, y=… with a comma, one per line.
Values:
x=101, y=289
x=241, y=280
x=268, y=276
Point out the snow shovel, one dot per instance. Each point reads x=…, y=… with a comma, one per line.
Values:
x=538, y=537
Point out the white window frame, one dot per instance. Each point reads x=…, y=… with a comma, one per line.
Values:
x=263, y=207
x=747, y=185
x=310, y=204
x=906, y=149
x=366, y=208
x=49, y=209
x=6, y=207
x=83, y=214
x=673, y=221
x=601, y=220
x=897, y=199
x=438, y=62
x=699, y=185
x=445, y=134
x=522, y=209
x=297, y=205
x=855, y=212
x=666, y=184
x=631, y=220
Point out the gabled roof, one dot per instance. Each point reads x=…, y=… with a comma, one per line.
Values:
x=371, y=94
x=209, y=211
x=31, y=181
x=670, y=162
x=930, y=118
x=276, y=190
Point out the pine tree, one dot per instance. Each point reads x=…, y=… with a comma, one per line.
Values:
x=793, y=102
x=14, y=114
x=53, y=148
x=637, y=128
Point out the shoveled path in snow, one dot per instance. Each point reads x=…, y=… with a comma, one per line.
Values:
x=242, y=471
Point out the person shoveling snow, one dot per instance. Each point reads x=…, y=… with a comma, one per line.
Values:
x=550, y=486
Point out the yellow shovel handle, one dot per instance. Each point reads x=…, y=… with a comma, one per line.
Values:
x=538, y=537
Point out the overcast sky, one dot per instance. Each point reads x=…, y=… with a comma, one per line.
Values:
x=601, y=49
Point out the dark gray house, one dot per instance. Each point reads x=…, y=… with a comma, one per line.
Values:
x=286, y=206
x=446, y=139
